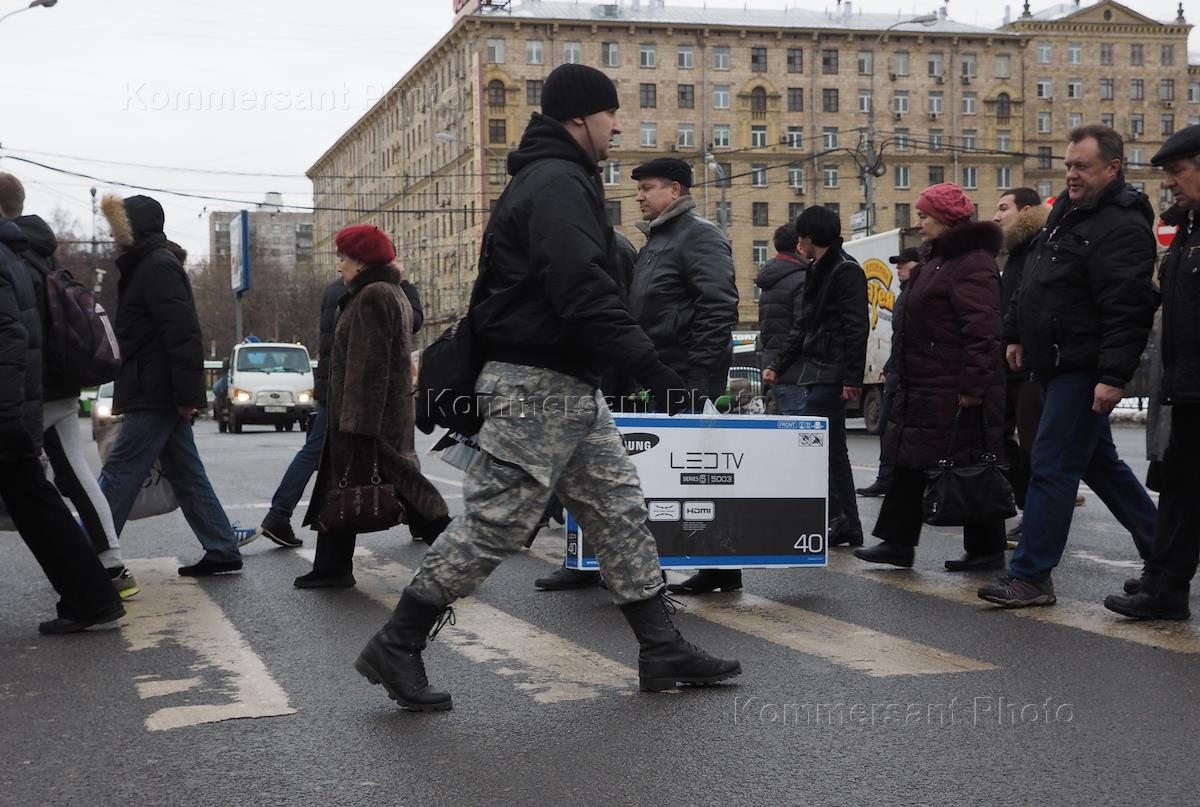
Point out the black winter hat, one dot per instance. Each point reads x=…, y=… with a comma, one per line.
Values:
x=668, y=168
x=576, y=91
x=906, y=255
x=145, y=215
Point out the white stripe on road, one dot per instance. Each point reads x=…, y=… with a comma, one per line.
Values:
x=1180, y=637
x=176, y=610
x=1135, y=565
x=869, y=651
x=546, y=666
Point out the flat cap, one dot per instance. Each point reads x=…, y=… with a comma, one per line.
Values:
x=665, y=168
x=1184, y=143
x=905, y=256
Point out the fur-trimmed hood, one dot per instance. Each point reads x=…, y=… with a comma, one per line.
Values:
x=132, y=219
x=966, y=238
x=1029, y=223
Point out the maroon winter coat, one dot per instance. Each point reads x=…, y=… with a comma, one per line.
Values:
x=947, y=340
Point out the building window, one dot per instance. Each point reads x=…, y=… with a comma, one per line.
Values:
x=864, y=100
x=794, y=211
x=1044, y=89
x=572, y=53
x=1003, y=107
x=721, y=135
x=900, y=139
x=648, y=95
x=495, y=92
x=1074, y=119
x=649, y=135
x=648, y=55
x=970, y=176
x=1004, y=140
x=1167, y=124
x=900, y=102
x=795, y=178
x=829, y=138
x=721, y=58
x=758, y=214
x=1003, y=65
x=614, y=213
x=495, y=51
x=1137, y=55
x=937, y=64
x=685, y=57
x=1074, y=53
x=1106, y=89
x=969, y=138
x=1075, y=89
x=758, y=102
x=687, y=96
x=725, y=178
x=1044, y=124
x=903, y=215
x=900, y=63
x=758, y=60
x=829, y=100
x=1137, y=124
x=829, y=62
x=1166, y=89
x=829, y=175
x=497, y=130
x=937, y=139
x=795, y=99
x=533, y=51
x=612, y=172
x=970, y=65
x=721, y=96
x=1043, y=53
x=1137, y=157
x=1045, y=189
x=937, y=174
x=610, y=54
x=903, y=177
x=795, y=137
x=1193, y=92
x=758, y=175
x=1168, y=56
x=1108, y=119
x=1106, y=52
x=685, y=136
x=866, y=62
x=533, y=92
x=1004, y=177
x=758, y=137
x=935, y=103
x=834, y=208
x=969, y=101
x=1137, y=89
x=1044, y=157
x=795, y=60
x=759, y=253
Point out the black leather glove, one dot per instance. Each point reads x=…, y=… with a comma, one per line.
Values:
x=669, y=392
x=15, y=442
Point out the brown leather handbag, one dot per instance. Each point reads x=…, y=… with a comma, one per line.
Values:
x=373, y=507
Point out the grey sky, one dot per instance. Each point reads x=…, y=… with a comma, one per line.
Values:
x=120, y=80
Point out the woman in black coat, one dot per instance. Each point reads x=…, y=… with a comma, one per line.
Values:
x=950, y=362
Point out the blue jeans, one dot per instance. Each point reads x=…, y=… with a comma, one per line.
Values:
x=1074, y=443
x=825, y=400
x=164, y=435
x=790, y=398
x=303, y=466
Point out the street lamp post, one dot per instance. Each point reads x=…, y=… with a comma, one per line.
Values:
x=34, y=4
x=874, y=162
x=716, y=168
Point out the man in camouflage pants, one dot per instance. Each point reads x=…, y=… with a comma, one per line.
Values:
x=547, y=314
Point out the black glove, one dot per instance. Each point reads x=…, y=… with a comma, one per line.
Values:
x=669, y=392
x=15, y=442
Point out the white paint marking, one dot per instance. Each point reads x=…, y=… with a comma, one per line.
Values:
x=548, y=667
x=156, y=689
x=869, y=651
x=1103, y=561
x=177, y=610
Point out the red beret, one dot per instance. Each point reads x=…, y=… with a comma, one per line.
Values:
x=366, y=243
x=947, y=203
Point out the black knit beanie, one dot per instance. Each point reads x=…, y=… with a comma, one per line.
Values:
x=576, y=91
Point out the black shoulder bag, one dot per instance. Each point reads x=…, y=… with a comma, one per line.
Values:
x=373, y=507
x=958, y=494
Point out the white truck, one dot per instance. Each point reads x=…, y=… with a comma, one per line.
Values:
x=268, y=383
x=883, y=287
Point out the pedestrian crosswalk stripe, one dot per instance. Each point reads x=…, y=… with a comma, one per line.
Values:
x=1179, y=637
x=848, y=645
x=546, y=666
x=174, y=609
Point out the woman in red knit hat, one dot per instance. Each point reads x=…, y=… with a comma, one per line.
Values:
x=946, y=335
x=371, y=408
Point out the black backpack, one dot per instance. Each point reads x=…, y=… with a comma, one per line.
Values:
x=81, y=345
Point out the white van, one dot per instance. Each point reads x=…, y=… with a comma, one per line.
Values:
x=267, y=383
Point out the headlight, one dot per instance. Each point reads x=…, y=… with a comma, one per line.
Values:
x=304, y=397
x=103, y=411
x=239, y=395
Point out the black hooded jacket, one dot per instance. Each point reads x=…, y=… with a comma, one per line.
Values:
x=1179, y=277
x=781, y=310
x=20, y=350
x=162, y=353
x=1087, y=299
x=40, y=258
x=549, y=291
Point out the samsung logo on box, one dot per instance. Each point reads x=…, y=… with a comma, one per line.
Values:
x=638, y=442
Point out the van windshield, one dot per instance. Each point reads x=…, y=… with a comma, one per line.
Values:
x=274, y=360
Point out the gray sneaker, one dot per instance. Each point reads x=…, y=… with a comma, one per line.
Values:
x=1012, y=592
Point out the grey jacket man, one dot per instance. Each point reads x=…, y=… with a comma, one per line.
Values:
x=685, y=297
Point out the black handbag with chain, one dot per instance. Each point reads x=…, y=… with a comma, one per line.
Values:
x=959, y=494
x=373, y=507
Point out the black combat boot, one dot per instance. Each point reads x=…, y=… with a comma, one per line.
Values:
x=393, y=656
x=565, y=579
x=706, y=581
x=666, y=658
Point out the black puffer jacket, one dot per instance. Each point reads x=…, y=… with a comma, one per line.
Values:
x=549, y=293
x=684, y=295
x=162, y=353
x=1087, y=300
x=1179, y=278
x=334, y=292
x=40, y=258
x=1018, y=241
x=20, y=346
x=781, y=310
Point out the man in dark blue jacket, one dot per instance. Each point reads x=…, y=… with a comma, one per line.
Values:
x=37, y=511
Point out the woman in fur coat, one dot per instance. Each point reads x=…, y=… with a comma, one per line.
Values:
x=951, y=357
x=371, y=407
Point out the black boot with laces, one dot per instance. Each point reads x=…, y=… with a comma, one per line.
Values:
x=666, y=658
x=393, y=656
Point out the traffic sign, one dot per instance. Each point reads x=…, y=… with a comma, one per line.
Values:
x=1165, y=233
